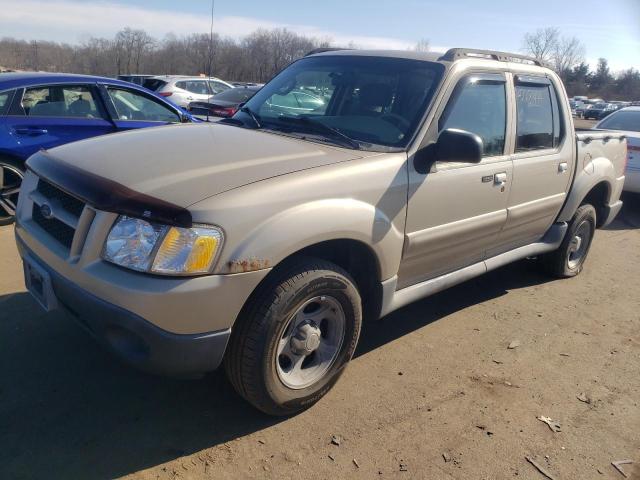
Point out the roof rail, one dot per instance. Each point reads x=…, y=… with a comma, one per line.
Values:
x=325, y=49
x=458, y=53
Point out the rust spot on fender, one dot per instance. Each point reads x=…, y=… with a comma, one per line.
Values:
x=248, y=265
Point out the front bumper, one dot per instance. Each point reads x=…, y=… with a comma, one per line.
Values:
x=132, y=338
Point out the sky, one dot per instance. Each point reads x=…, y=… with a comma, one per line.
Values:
x=609, y=29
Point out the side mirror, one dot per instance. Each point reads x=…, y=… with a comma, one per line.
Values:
x=453, y=145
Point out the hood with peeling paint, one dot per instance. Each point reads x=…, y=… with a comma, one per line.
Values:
x=188, y=163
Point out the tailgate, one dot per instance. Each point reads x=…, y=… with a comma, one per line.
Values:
x=633, y=156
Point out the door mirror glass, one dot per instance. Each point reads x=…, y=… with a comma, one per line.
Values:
x=455, y=145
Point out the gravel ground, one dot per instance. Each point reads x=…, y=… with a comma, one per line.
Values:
x=433, y=393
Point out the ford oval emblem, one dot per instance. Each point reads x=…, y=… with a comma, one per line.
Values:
x=45, y=211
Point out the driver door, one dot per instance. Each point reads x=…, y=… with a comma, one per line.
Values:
x=456, y=210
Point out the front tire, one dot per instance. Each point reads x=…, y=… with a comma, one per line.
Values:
x=295, y=336
x=11, y=176
x=568, y=260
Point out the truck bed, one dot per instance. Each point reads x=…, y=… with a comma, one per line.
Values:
x=595, y=144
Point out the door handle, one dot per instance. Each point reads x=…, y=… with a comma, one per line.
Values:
x=500, y=178
x=562, y=167
x=31, y=131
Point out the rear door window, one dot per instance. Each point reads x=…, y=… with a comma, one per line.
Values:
x=77, y=101
x=5, y=99
x=538, y=115
x=479, y=105
x=194, y=86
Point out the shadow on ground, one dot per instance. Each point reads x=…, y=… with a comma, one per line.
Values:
x=70, y=410
x=629, y=216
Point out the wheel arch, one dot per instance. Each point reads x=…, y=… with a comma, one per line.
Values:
x=593, y=184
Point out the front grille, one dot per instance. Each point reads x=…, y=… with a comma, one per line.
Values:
x=67, y=202
x=62, y=232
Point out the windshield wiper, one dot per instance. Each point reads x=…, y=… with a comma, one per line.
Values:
x=253, y=116
x=321, y=127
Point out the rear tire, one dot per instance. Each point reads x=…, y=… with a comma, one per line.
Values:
x=11, y=174
x=295, y=336
x=568, y=260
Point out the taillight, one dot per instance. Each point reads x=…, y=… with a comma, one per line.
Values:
x=224, y=112
x=166, y=94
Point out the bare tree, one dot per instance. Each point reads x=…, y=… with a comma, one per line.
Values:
x=542, y=43
x=568, y=53
x=562, y=53
x=422, y=45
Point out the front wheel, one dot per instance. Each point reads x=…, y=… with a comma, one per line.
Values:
x=569, y=258
x=295, y=337
x=11, y=176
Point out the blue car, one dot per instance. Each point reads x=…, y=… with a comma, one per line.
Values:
x=44, y=110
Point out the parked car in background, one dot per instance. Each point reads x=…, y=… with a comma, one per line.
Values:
x=627, y=121
x=600, y=110
x=266, y=239
x=138, y=79
x=224, y=104
x=576, y=106
x=184, y=90
x=44, y=110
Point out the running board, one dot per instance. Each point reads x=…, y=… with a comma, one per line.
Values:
x=393, y=299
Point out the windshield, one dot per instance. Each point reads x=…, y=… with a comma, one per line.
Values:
x=376, y=102
x=625, y=120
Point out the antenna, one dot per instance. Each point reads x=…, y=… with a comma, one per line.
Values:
x=213, y=4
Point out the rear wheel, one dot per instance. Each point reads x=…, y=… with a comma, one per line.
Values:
x=569, y=258
x=11, y=176
x=295, y=337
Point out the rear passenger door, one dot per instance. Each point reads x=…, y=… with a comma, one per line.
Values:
x=543, y=161
x=50, y=115
x=456, y=211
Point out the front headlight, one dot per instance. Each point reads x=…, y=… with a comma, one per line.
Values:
x=149, y=247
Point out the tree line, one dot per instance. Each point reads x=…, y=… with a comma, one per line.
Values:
x=566, y=55
x=254, y=58
x=263, y=53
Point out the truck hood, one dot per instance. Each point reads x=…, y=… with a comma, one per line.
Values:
x=184, y=164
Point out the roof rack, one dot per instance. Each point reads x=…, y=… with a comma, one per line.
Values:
x=458, y=53
x=326, y=49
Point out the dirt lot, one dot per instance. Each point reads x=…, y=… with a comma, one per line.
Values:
x=433, y=393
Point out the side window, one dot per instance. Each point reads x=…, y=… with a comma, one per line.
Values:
x=5, y=98
x=538, y=121
x=60, y=101
x=135, y=106
x=194, y=86
x=217, y=87
x=479, y=105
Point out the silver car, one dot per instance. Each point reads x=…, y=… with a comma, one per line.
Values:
x=183, y=90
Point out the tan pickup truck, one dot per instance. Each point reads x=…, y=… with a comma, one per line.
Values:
x=353, y=183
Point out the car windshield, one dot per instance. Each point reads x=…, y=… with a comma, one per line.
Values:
x=239, y=94
x=628, y=120
x=370, y=102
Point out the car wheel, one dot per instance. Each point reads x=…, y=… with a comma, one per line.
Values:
x=11, y=176
x=295, y=336
x=568, y=260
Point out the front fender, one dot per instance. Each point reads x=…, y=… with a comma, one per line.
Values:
x=314, y=222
